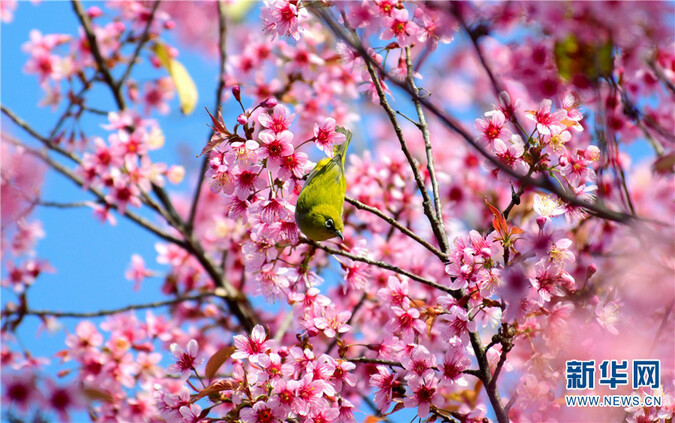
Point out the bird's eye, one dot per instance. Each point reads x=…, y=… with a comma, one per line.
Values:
x=330, y=224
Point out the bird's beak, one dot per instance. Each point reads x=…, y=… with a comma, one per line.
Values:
x=338, y=233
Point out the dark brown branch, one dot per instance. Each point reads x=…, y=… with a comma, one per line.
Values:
x=144, y=39
x=395, y=223
x=222, y=43
x=377, y=263
x=424, y=128
x=391, y=114
x=374, y=361
x=660, y=75
x=73, y=205
x=96, y=52
x=101, y=313
x=544, y=182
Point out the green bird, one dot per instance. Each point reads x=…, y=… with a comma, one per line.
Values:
x=318, y=211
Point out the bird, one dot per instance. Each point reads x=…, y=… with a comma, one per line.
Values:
x=318, y=211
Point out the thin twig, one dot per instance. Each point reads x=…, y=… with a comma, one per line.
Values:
x=662, y=326
x=661, y=75
x=367, y=360
x=395, y=223
x=515, y=196
x=73, y=101
x=356, y=308
x=498, y=369
x=222, y=43
x=143, y=222
x=544, y=182
x=96, y=52
x=100, y=313
x=391, y=114
x=144, y=39
x=46, y=141
x=424, y=128
x=377, y=263
x=73, y=205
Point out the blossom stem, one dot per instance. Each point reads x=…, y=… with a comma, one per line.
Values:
x=222, y=51
x=379, y=264
x=101, y=313
x=424, y=128
x=139, y=46
x=395, y=223
x=96, y=52
x=543, y=182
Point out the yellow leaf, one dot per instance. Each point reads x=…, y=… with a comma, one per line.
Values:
x=185, y=86
x=237, y=9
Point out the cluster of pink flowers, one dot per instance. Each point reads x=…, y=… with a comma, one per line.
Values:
x=385, y=316
x=20, y=186
x=122, y=165
x=59, y=59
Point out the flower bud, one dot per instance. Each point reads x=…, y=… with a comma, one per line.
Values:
x=563, y=161
x=541, y=221
x=169, y=25
x=175, y=174
x=242, y=119
x=592, y=153
x=236, y=92
x=592, y=268
x=270, y=103
x=94, y=12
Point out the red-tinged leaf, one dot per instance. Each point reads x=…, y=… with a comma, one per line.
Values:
x=220, y=133
x=665, y=164
x=63, y=373
x=218, y=124
x=373, y=419
x=399, y=406
x=217, y=360
x=94, y=394
x=516, y=231
x=498, y=222
x=221, y=385
x=214, y=142
x=476, y=393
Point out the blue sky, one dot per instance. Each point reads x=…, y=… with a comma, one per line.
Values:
x=90, y=258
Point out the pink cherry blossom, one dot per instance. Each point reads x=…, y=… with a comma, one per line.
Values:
x=256, y=344
x=326, y=136
x=186, y=360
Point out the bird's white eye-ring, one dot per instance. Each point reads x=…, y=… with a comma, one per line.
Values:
x=330, y=224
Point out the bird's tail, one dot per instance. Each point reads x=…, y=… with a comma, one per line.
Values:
x=341, y=150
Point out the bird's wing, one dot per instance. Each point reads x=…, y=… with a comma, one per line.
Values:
x=328, y=167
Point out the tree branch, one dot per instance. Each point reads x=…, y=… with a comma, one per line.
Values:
x=424, y=128
x=379, y=264
x=374, y=361
x=96, y=52
x=144, y=39
x=391, y=114
x=395, y=223
x=99, y=195
x=237, y=302
x=101, y=313
x=222, y=43
x=544, y=182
